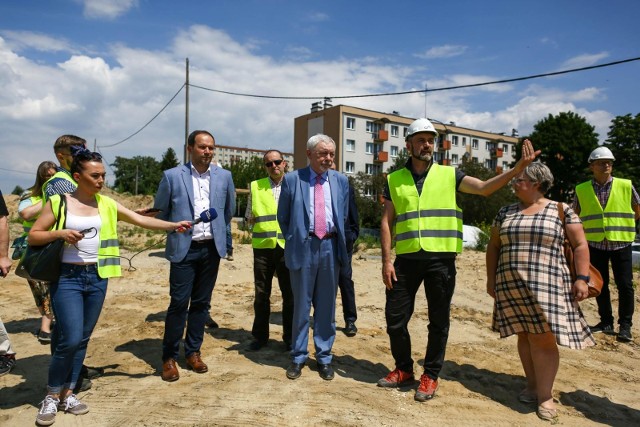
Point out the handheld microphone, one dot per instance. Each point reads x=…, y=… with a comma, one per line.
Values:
x=206, y=216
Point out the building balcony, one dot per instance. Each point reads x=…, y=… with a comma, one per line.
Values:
x=446, y=162
x=498, y=170
x=381, y=136
x=445, y=145
x=381, y=157
x=496, y=152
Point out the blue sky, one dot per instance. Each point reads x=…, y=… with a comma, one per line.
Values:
x=101, y=69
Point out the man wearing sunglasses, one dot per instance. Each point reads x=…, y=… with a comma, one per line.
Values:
x=268, y=251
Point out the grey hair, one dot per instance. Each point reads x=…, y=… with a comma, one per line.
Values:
x=540, y=173
x=317, y=139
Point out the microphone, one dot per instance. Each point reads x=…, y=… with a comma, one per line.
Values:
x=206, y=216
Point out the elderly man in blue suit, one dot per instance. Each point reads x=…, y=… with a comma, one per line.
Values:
x=312, y=211
x=186, y=191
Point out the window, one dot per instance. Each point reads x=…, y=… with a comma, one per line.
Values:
x=505, y=148
x=350, y=167
x=505, y=165
x=487, y=164
x=394, y=151
x=488, y=146
x=369, y=127
x=368, y=191
x=368, y=169
x=464, y=141
x=394, y=131
x=369, y=148
x=474, y=144
x=454, y=140
x=454, y=159
x=474, y=159
x=404, y=132
x=351, y=145
x=351, y=123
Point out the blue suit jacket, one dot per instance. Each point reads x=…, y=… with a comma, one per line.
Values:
x=294, y=212
x=175, y=199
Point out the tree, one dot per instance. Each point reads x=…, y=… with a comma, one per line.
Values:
x=623, y=140
x=566, y=140
x=145, y=182
x=169, y=160
x=478, y=210
x=243, y=172
x=369, y=206
x=18, y=190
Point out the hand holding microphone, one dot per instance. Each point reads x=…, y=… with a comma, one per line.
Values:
x=206, y=216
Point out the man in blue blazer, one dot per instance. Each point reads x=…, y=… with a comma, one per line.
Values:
x=312, y=211
x=187, y=191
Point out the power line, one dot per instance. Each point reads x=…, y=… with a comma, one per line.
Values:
x=17, y=171
x=149, y=122
x=516, y=79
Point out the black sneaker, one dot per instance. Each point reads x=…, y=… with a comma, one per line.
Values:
x=210, y=323
x=7, y=362
x=625, y=334
x=606, y=328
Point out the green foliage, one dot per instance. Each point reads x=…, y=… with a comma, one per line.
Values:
x=484, y=237
x=623, y=140
x=368, y=241
x=243, y=172
x=18, y=190
x=369, y=207
x=148, y=175
x=566, y=140
x=169, y=160
x=400, y=161
x=476, y=209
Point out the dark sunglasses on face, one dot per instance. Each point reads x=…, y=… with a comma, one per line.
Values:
x=276, y=162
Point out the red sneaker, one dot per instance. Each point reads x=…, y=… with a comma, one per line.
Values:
x=397, y=378
x=426, y=389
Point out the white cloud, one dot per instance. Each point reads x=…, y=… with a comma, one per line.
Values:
x=318, y=17
x=107, y=9
x=584, y=60
x=21, y=40
x=444, y=51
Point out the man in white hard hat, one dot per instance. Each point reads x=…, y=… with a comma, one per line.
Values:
x=608, y=208
x=420, y=206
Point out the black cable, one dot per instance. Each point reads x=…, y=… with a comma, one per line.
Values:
x=149, y=122
x=131, y=267
x=516, y=79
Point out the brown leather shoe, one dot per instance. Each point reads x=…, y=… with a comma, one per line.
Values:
x=195, y=362
x=170, y=370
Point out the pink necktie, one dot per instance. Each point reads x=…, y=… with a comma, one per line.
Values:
x=318, y=206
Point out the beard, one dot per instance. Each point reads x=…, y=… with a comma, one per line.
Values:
x=425, y=157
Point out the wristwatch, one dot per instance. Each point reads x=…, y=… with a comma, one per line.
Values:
x=582, y=277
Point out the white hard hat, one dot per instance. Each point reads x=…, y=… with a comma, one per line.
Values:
x=601, y=153
x=420, y=125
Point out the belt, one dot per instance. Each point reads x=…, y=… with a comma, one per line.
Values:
x=326, y=236
x=81, y=267
x=201, y=242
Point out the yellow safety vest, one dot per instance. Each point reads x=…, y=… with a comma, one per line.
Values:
x=616, y=222
x=26, y=225
x=431, y=221
x=108, y=251
x=266, y=230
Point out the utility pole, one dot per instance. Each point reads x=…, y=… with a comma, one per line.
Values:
x=136, y=192
x=186, y=112
x=425, y=100
x=95, y=144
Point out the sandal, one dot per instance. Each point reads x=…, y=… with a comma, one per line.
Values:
x=547, y=414
x=527, y=396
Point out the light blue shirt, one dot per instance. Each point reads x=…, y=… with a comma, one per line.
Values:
x=326, y=190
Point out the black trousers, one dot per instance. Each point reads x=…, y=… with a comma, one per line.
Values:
x=347, y=292
x=621, y=264
x=266, y=262
x=439, y=277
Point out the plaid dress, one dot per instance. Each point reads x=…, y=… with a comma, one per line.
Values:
x=533, y=285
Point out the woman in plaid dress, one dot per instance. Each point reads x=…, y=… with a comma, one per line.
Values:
x=529, y=279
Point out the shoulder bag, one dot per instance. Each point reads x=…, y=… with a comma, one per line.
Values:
x=595, y=278
x=43, y=262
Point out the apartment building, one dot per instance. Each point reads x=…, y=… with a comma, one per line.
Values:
x=369, y=141
x=228, y=155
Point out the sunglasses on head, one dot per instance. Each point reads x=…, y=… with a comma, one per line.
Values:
x=276, y=162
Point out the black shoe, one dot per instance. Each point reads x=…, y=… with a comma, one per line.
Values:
x=91, y=373
x=607, y=328
x=294, y=370
x=287, y=346
x=625, y=334
x=325, y=371
x=7, y=362
x=83, y=384
x=350, y=329
x=256, y=345
x=210, y=323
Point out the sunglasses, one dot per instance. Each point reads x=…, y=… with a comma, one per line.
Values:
x=275, y=162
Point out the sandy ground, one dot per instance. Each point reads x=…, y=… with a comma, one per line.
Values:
x=479, y=384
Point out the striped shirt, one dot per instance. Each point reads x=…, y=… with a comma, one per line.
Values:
x=58, y=185
x=602, y=193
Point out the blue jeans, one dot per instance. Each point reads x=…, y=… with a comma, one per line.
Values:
x=191, y=283
x=76, y=300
